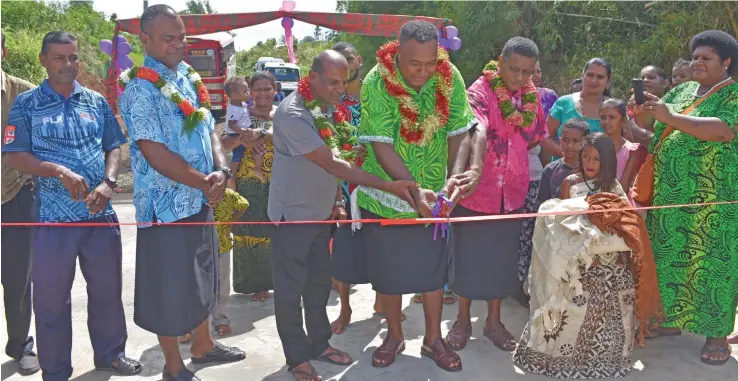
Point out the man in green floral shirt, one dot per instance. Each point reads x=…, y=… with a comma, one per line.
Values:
x=414, y=118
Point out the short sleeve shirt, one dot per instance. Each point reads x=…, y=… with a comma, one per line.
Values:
x=380, y=122
x=75, y=133
x=564, y=109
x=299, y=189
x=12, y=179
x=238, y=114
x=148, y=115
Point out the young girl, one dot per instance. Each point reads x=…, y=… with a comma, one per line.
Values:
x=597, y=170
x=629, y=156
x=591, y=322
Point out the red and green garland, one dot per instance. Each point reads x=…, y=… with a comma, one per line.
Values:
x=412, y=129
x=510, y=113
x=338, y=136
x=193, y=116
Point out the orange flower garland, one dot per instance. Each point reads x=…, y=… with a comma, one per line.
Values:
x=193, y=116
x=412, y=129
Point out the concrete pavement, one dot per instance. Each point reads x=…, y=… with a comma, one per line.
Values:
x=254, y=330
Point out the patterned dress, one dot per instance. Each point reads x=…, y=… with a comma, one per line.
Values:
x=232, y=202
x=592, y=331
x=696, y=248
x=252, y=247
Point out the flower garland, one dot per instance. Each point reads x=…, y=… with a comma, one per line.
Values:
x=338, y=136
x=412, y=129
x=509, y=112
x=192, y=116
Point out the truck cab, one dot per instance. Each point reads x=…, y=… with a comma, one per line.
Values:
x=287, y=75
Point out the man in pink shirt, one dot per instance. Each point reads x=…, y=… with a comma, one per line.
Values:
x=510, y=121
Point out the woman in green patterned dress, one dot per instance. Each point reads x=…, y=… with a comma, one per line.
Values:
x=252, y=248
x=696, y=248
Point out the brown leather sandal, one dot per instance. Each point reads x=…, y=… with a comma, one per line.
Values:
x=500, y=337
x=442, y=355
x=457, y=337
x=386, y=354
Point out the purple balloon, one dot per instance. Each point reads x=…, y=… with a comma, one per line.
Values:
x=106, y=46
x=119, y=39
x=124, y=48
x=443, y=42
x=124, y=62
x=287, y=22
x=454, y=43
x=451, y=32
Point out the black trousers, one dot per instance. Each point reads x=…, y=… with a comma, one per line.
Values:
x=16, y=271
x=301, y=268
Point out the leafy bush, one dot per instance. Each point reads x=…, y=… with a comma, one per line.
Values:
x=26, y=22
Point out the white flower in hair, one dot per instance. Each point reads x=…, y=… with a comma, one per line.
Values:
x=194, y=77
x=168, y=90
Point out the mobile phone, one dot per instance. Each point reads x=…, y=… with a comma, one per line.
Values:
x=637, y=85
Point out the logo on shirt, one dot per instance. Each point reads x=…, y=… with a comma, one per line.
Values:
x=86, y=116
x=52, y=120
x=9, y=135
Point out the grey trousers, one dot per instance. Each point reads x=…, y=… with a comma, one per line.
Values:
x=301, y=268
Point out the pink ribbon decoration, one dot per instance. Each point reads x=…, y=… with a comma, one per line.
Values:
x=287, y=24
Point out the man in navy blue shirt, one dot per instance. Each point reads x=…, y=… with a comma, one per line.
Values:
x=68, y=137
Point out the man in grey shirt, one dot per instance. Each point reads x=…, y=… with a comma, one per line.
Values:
x=305, y=187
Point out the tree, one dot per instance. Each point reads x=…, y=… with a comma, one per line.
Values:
x=308, y=39
x=317, y=33
x=198, y=7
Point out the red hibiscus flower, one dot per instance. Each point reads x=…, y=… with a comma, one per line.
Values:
x=148, y=74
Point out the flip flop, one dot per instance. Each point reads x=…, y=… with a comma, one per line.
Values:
x=312, y=374
x=328, y=357
x=707, y=349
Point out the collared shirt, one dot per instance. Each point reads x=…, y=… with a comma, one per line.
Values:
x=12, y=179
x=149, y=115
x=75, y=133
x=299, y=189
x=380, y=122
x=505, y=177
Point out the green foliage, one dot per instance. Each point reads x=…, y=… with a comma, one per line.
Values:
x=198, y=7
x=26, y=22
x=629, y=35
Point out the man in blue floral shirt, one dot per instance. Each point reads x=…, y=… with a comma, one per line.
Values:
x=179, y=176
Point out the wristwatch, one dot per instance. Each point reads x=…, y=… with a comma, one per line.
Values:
x=226, y=171
x=341, y=203
x=111, y=181
x=263, y=132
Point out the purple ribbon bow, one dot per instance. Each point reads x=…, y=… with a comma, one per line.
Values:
x=443, y=204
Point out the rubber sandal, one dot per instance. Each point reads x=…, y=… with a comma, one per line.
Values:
x=459, y=336
x=126, y=367
x=328, y=357
x=417, y=299
x=494, y=336
x=220, y=354
x=449, y=298
x=707, y=349
x=387, y=352
x=442, y=355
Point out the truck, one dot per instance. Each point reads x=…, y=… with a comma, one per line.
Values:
x=287, y=75
x=213, y=56
x=263, y=60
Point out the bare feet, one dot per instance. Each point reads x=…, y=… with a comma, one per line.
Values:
x=185, y=339
x=260, y=296
x=378, y=311
x=340, y=324
x=223, y=330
